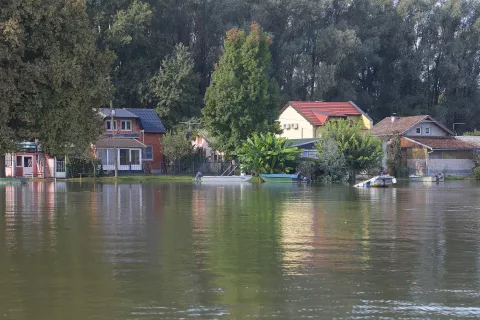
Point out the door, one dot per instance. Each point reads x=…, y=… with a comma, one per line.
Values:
x=60, y=168
x=28, y=166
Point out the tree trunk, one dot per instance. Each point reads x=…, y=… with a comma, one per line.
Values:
x=2, y=166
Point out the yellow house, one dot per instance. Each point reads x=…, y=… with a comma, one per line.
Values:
x=307, y=119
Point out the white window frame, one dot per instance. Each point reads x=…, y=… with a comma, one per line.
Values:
x=108, y=122
x=428, y=129
x=418, y=130
x=144, y=156
x=122, y=122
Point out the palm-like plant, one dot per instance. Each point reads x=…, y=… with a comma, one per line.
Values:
x=266, y=153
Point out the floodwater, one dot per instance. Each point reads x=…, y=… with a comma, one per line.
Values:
x=278, y=251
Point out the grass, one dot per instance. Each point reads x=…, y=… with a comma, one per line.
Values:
x=135, y=178
x=452, y=177
x=255, y=179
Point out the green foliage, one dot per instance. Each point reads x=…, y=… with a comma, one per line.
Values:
x=266, y=153
x=475, y=132
x=52, y=75
x=174, y=88
x=394, y=152
x=476, y=173
x=331, y=162
x=360, y=150
x=78, y=165
x=243, y=96
x=178, y=148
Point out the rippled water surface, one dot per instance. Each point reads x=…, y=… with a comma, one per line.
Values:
x=184, y=251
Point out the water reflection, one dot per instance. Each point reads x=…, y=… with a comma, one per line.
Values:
x=137, y=251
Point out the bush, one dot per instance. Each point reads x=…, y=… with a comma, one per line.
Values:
x=476, y=173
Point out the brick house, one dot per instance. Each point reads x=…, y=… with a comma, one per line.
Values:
x=138, y=138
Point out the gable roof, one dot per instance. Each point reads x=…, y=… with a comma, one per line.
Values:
x=402, y=124
x=442, y=143
x=318, y=112
x=149, y=120
x=119, y=113
x=119, y=142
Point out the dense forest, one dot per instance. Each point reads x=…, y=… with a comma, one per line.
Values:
x=403, y=56
x=60, y=58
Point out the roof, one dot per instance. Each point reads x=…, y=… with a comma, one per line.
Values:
x=318, y=112
x=119, y=113
x=120, y=142
x=475, y=140
x=301, y=142
x=442, y=143
x=401, y=125
x=149, y=120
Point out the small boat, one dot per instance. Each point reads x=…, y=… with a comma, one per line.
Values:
x=280, y=177
x=436, y=178
x=377, y=182
x=224, y=179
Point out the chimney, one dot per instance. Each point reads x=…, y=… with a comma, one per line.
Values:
x=393, y=117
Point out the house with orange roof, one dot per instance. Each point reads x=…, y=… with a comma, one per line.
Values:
x=307, y=119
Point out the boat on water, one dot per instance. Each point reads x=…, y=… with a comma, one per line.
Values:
x=223, y=179
x=280, y=177
x=4, y=181
x=377, y=182
x=435, y=178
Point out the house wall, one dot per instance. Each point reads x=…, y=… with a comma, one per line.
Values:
x=135, y=125
x=154, y=140
x=435, y=130
x=211, y=154
x=290, y=116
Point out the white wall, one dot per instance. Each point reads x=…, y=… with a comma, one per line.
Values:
x=290, y=116
x=435, y=131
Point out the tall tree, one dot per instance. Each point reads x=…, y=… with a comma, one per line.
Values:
x=243, y=96
x=174, y=88
x=52, y=75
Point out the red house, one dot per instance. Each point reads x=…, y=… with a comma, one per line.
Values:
x=138, y=139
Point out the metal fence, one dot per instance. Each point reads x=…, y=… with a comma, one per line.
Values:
x=185, y=168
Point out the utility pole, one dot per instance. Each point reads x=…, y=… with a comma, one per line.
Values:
x=189, y=123
x=112, y=114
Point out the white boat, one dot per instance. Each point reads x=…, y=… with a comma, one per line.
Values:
x=223, y=179
x=436, y=178
x=377, y=182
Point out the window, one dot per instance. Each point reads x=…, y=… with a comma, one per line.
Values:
x=108, y=124
x=126, y=125
x=148, y=153
x=124, y=153
x=19, y=161
x=135, y=157
x=418, y=130
x=427, y=130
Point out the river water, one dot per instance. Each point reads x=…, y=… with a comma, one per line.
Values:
x=278, y=251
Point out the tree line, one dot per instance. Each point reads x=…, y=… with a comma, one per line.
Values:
x=58, y=59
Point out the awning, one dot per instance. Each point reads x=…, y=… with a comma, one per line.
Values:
x=120, y=143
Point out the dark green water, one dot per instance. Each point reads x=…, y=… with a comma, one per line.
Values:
x=183, y=251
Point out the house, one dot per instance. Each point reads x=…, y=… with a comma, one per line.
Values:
x=307, y=145
x=30, y=161
x=307, y=119
x=138, y=139
x=427, y=146
x=203, y=140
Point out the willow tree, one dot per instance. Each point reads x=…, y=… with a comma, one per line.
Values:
x=243, y=95
x=51, y=75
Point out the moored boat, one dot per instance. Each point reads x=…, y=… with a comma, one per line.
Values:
x=377, y=182
x=280, y=177
x=224, y=179
x=436, y=178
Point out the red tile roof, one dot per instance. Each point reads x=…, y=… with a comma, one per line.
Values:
x=448, y=143
x=317, y=112
x=401, y=125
